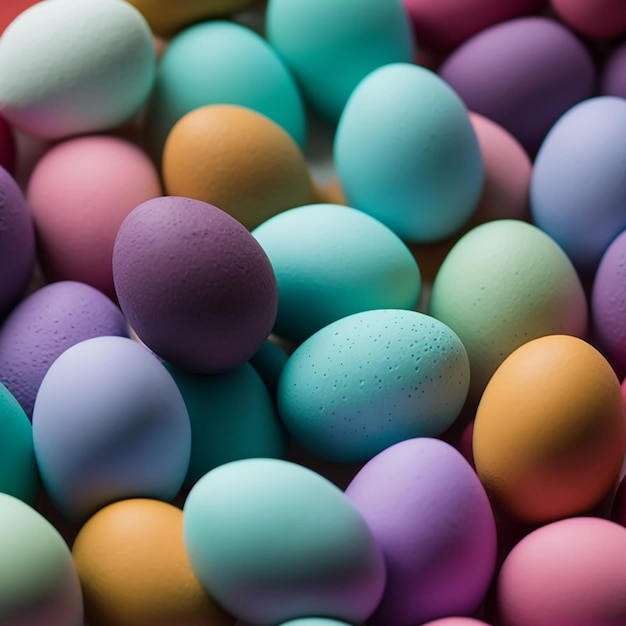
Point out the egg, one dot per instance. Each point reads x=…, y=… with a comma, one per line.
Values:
x=456, y=621
x=370, y=380
x=331, y=261
x=600, y=19
x=550, y=430
x=271, y=541
x=134, y=570
x=91, y=69
x=613, y=79
x=314, y=621
x=105, y=411
x=237, y=159
x=269, y=361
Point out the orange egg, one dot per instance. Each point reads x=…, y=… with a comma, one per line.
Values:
x=134, y=570
x=550, y=430
x=238, y=160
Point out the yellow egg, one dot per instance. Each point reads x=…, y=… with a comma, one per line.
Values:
x=134, y=570
x=550, y=430
x=238, y=160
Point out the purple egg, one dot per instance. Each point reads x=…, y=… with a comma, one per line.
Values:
x=431, y=517
x=194, y=284
x=613, y=81
x=44, y=325
x=522, y=74
x=17, y=243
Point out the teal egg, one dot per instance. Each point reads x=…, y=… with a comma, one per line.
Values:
x=19, y=475
x=271, y=541
x=330, y=46
x=221, y=62
x=269, y=361
x=370, y=380
x=38, y=580
x=314, y=621
x=406, y=153
x=331, y=261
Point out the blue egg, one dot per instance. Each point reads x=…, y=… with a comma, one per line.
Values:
x=370, y=380
x=109, y=423
x=406, y=153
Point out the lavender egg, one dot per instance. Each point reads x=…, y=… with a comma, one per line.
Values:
x=431, y=517
x=45, y=324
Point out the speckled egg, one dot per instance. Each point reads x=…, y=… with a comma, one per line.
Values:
x=247, y=518
x=194, y=284
x=370, y=380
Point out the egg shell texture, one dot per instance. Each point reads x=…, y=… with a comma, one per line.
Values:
x=370, y=380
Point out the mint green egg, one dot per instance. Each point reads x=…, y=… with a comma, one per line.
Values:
x=38, y=580
x=331, y=261
x=314, y=621
x=271, y=540
x=19, y=475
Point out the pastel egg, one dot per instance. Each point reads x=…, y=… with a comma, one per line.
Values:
x=106, y=410
x=92, y=67
x=613, y=79
x=603, y=19
x=314, y=621
x=254, y=516
x=332, y=261
x=522, y=87
x=269, y=361
x=578, y=189
x=354, y=37
x=504, y=283
x=222, y=62
x=194, y=284
x=456, y=621
x=550, y=430
x=39, y=584
x=406, y=153
x=370, y=380
x=572, y=571
x=43, y=325
x=431, y=517
x=79, y=192
x=134, y=570
x=237, y=159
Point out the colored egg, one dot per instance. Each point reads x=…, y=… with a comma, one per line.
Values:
x=353, y=37
x=39, y=584
x=578, y=188
x=569, y=572
x=92, y=67
x=550, y=430
x=332, y=261
x=613, y=79
x=222, y=62
x=268, y=361
x=109, y=423
x=432, y=519
x=194, y=284
x=504, y=283
x=456, y=621
x=370, y=380
x=238, y=160
x=232, y=417
x=248, y=518
x=134, y=570
x=43, y=325
x=406, y=153
x=522, y=87
x=602, y=19
x=314, y=621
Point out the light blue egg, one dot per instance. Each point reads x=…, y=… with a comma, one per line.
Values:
x=370, y=380
x=220, y=62
x=330, y=46
x=406, y=153
x=331, y=261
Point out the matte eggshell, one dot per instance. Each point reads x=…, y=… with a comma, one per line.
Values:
x=550, y=430
x=613, y=79
x=432, y=519
x=272, y=541
x=600, y=19
x=572, y=571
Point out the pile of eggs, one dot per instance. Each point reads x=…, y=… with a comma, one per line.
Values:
x=313, y=313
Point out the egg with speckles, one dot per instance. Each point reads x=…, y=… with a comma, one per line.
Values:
x=370, y=380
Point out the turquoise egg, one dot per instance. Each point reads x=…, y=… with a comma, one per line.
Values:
x=221, y=62
x=330, y=46
x=370, y=380
x=38, y=580
x=271, y=541
x=331, y=261
x=314, y=621
x=406, y=153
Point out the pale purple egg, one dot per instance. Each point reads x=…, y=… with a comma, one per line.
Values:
x=613, y=81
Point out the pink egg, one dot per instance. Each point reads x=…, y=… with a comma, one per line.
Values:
x=570, y=572
x=80, y=191
x=456, y=621
x=603, y=19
